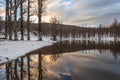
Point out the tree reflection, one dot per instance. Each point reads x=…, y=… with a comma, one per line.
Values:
x=56, y=51
x=71, y=46
x=23, y=69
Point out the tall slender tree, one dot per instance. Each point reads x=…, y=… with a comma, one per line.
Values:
x=15, y=19
x=28, y=21
x=39, y=18
x=10, y=19
x=6, y=19
x=41, y=8
x=21, y=19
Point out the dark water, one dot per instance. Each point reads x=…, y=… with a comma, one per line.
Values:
x=66, y=60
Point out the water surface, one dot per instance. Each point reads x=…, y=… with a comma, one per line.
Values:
x=74, y=60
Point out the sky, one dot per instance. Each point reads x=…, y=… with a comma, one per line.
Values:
x=77, y=12
x=84, y=11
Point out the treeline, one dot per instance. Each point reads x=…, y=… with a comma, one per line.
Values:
x=66, y=31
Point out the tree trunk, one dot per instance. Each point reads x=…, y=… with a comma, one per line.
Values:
x=54, y=32
x=21, y=14
x=39, y=19
x=15, y=21
x=6, y=19
x=28, y=21
x=10, y=21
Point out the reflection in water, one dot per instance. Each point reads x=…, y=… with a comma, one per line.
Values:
x=24, y=68
x=77, y=63
x=66, y=46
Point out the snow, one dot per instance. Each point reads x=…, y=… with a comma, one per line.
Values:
x=33, y=37
x=1, y=35
x=10, y=50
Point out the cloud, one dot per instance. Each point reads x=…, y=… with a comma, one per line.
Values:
x=84, y=11
x=94, y=3
x=80, y=11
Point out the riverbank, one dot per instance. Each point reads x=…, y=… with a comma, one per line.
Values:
x=10, y=50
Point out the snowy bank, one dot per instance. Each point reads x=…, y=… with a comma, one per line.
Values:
x=10, y=50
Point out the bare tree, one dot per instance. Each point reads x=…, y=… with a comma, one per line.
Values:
x=39, y=18
x=55, y=22
x=28, y=21
x=30, y=13
x=1, y=23
x=16, y=5
x=21, y=19
x=15, y=17
x=116, y=29
x=41, y=8
x=6, y=18
x=10, y=19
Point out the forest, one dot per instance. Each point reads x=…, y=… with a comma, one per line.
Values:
x=18, y=18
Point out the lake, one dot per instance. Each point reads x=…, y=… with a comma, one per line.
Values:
x=67, y=60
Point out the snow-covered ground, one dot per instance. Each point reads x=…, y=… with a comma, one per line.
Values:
x=10, y=50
